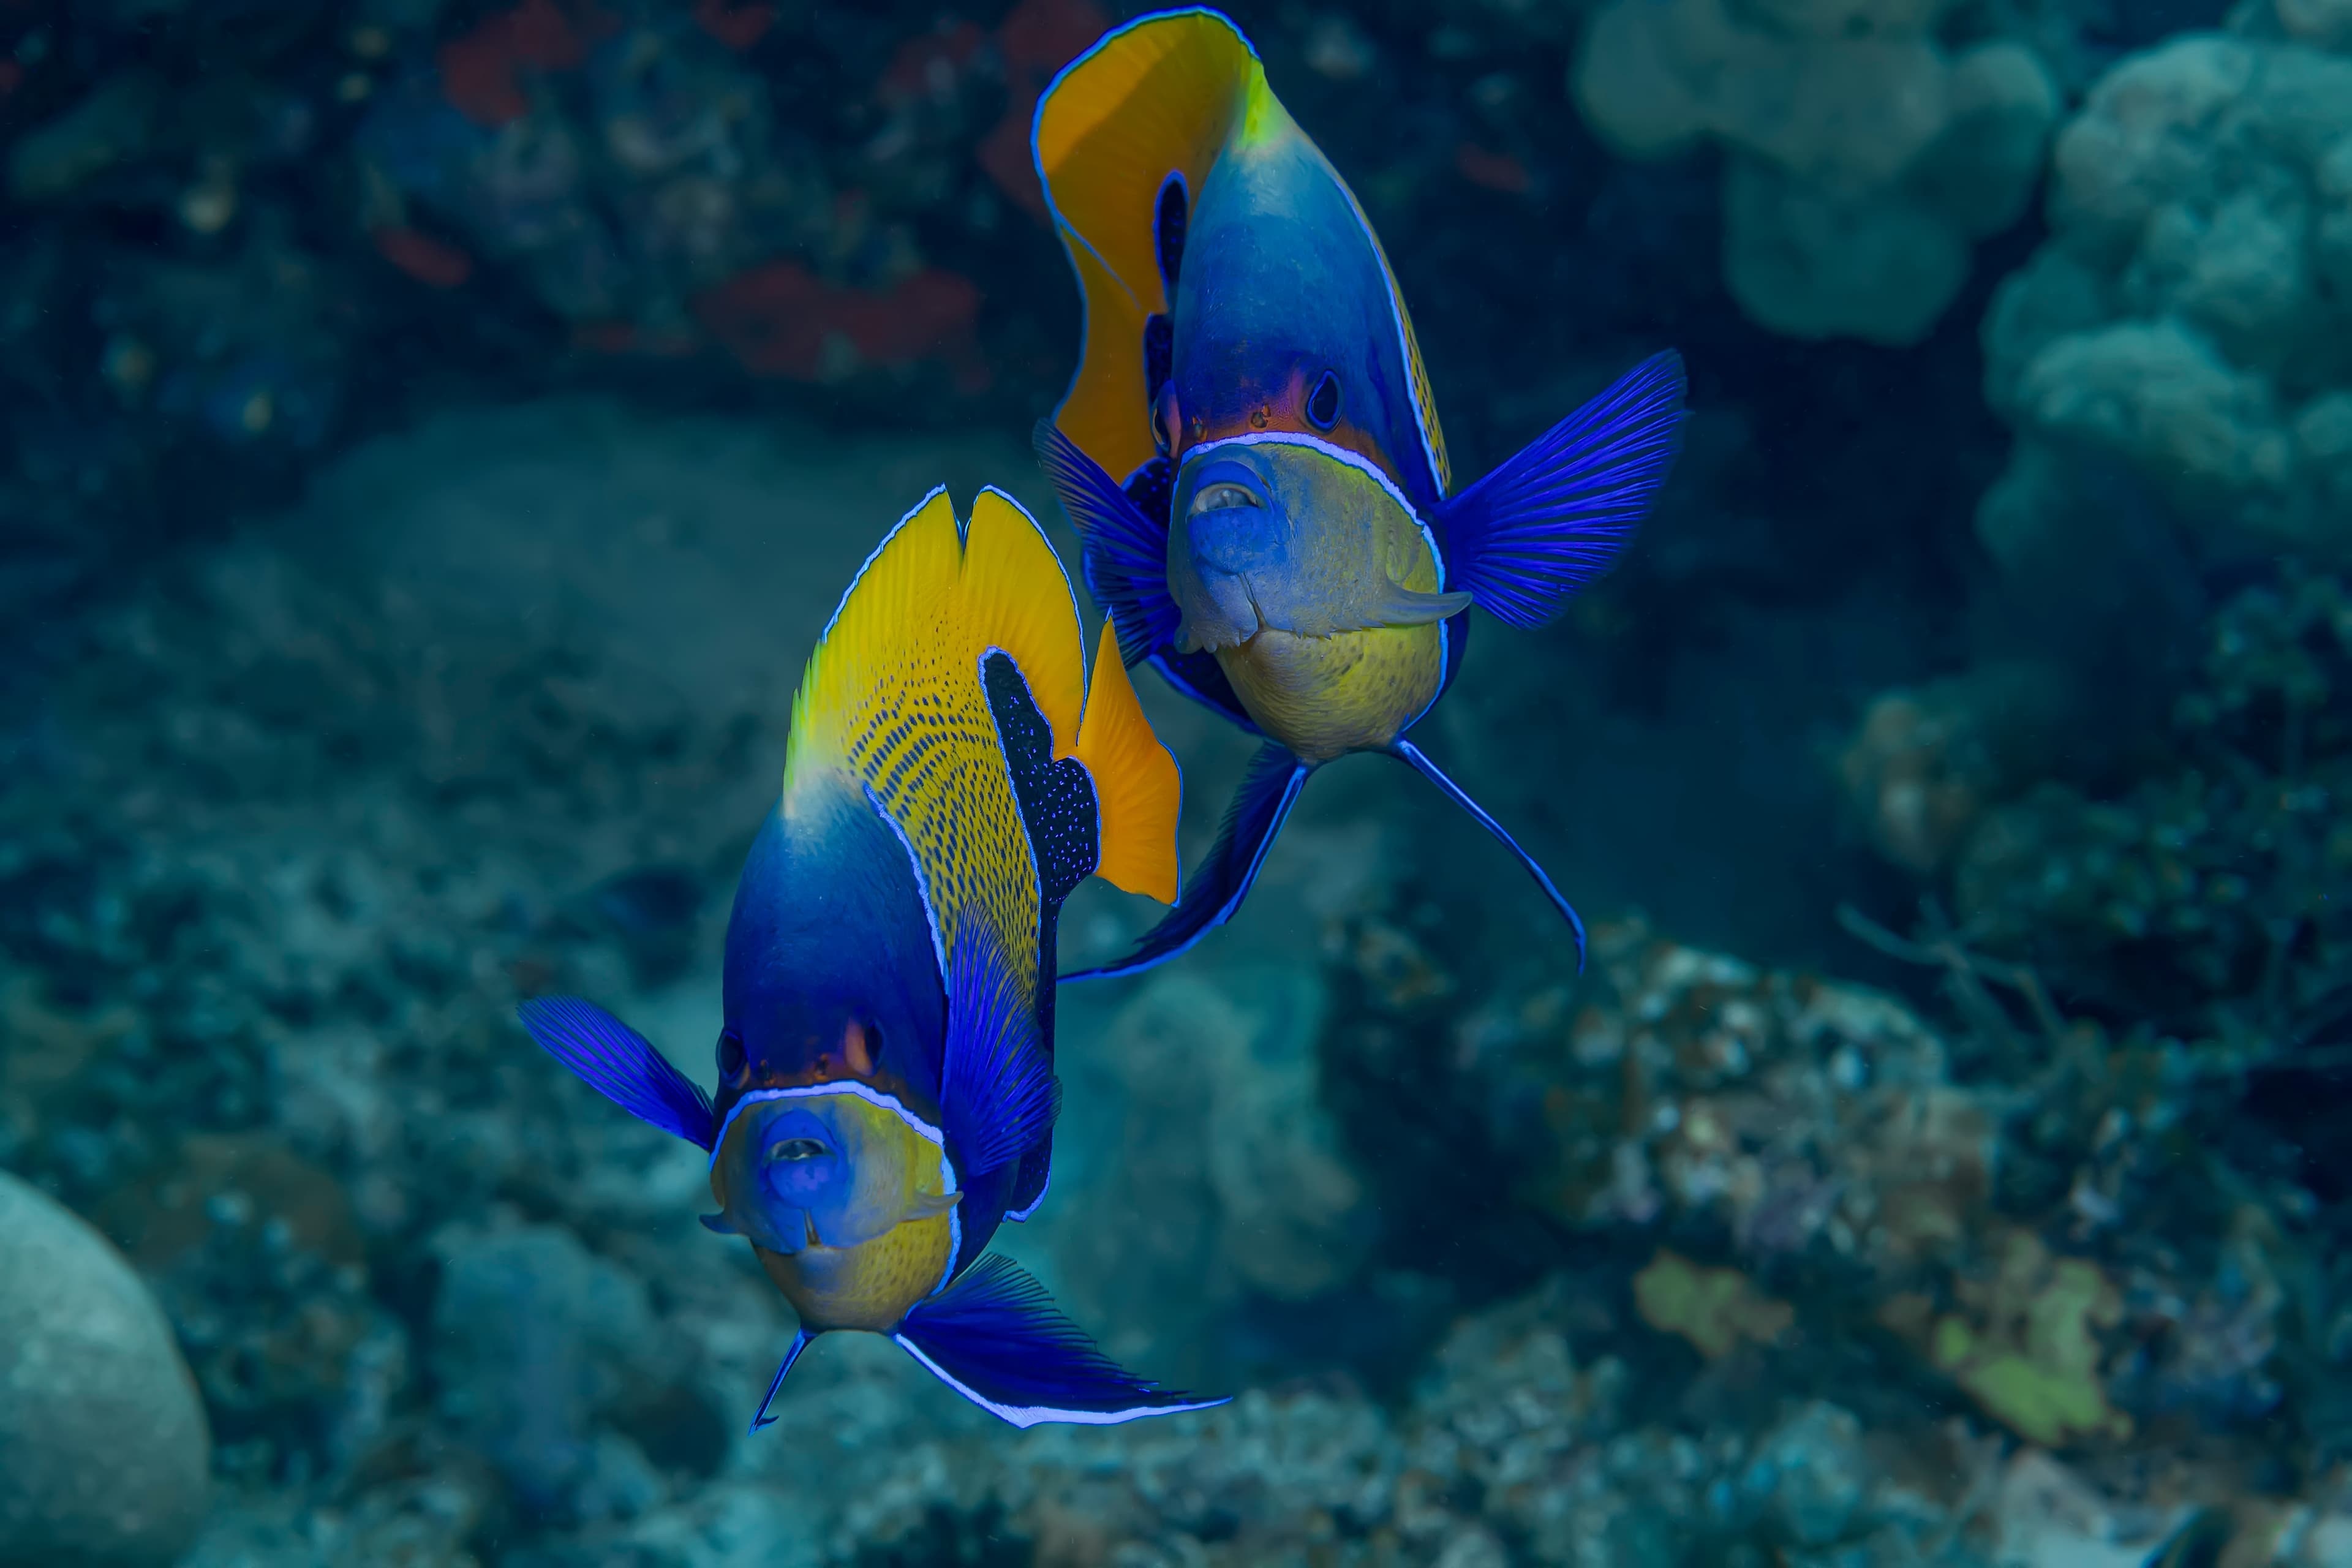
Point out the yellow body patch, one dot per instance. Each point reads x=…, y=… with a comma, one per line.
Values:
x=871, y=1286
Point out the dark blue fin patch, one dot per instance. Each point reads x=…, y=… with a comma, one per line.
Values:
x=1529, y=536
x=1169, y=220
x=996, y=1338
x=1159, y=359
x=1213, y=892
x=792, y=1353
x=1413, y=754
x=1057, y=798
x=1059, y=812
x=997, y=1092
x=1126, y=550
x=620, y=1064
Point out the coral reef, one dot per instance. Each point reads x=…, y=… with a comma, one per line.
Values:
x=1867, y=150
x=2186, y=323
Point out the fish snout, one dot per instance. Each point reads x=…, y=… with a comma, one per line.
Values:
x=1231, y=525
x=800, y=1160
x=1229, y=536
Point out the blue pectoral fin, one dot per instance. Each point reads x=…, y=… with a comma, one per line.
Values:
x=1524, y=540
x=1410, y=752
x=792, y=1353
x=620, y=1064
x=998, y=1095
x=1214, y=891
x=996, y=1338
x=1126, y=557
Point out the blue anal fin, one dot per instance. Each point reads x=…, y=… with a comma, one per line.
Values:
x=1126, y=556
x=760, y=1417
x=1525, y=539
x=1213, y=892
x=620, y=1064
x=1410, y=752
x=996, y=1338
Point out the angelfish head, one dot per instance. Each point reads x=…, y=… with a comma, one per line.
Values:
x=1272, y=531
x=830, y=1166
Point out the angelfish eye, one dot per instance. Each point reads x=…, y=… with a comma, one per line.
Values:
x=1323, y=403
x=730, y=1053
x=798, y=1148
x=1218, y=497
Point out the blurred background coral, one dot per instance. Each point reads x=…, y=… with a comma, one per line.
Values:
x=433, y=432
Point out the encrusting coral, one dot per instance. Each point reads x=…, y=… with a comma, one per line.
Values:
x=2189, y=321
x=1865, y=157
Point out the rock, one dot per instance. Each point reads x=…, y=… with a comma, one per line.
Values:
x=105, y=1458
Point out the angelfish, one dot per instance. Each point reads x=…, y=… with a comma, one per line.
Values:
x=886, y=1093
x=1249, y=449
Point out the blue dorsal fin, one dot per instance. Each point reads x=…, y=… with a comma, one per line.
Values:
x=996, y=1338
x=620, y=1064
x=1407, y=752
x=1126, y=553
x=1213, y=892
x=998, y=1095
x=1524, y=540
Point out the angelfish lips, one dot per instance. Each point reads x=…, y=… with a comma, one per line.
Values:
x=1230, y=531
x=799, y=1160
x=779, y=1162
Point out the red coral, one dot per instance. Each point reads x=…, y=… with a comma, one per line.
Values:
x=1041, y=37
x=1496, y=171
x=480, y=68
x=782, y=319
x=737, y=27
x=435, y=263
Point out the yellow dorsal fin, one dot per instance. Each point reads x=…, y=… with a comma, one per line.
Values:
x=1162, y=95
x=893, y=703
x=892, y=698
x=1137, y=786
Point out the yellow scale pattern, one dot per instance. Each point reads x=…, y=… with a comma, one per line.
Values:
x=892, y=700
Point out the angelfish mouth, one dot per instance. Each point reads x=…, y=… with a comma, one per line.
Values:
x=1222, y=497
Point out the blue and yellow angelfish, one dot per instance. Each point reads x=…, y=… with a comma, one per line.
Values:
x=885, y=1062
x=1249, y=448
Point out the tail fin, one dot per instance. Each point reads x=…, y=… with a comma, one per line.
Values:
x=1526, y=537
x=995, y=1337
x=620, y=1064
x=1137, y=785
x=1256, y=816
x=1153, y=101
